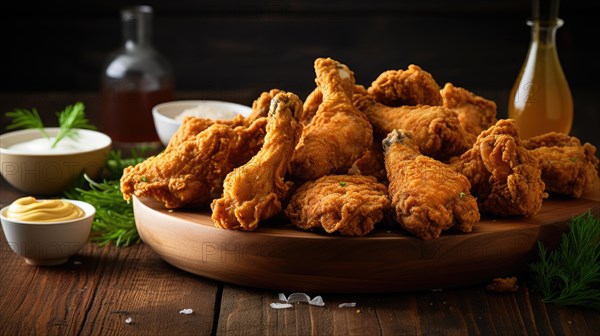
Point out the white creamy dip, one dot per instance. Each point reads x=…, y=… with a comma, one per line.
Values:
x=43, y=145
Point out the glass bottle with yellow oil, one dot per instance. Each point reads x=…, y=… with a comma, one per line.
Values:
x=540, y=100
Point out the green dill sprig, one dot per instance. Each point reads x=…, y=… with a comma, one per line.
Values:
x=570, y=275
x=69, y=119
x=22, y=118
x=114, y=220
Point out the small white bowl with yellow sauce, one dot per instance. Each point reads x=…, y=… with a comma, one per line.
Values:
x=47, y=232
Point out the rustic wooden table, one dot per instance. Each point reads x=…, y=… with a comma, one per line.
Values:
x=100, y=288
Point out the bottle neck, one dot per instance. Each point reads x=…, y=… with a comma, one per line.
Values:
x=544, y=32
x=137, y=26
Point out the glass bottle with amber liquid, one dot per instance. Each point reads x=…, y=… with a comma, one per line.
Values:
x=136, y=77
x=540, y=100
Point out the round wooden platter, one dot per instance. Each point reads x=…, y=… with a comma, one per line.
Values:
x=280, y=257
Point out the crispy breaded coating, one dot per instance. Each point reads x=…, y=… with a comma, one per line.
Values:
x=191, y=174
x=436, y=130
x=503, y=285
x=505, y=177
x=568, y=167
x=475, y=113
x=427, y=196
x=413, y=86
x=348, y=204
x=339, y=133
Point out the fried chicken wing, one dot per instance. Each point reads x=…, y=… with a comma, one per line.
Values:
x=191, y=126
x=436, y=129
x=427, y=196
x=505, y=177
x=339, y=133
x=255, y=190
x=568, y=167
x=191, y=174
x=475, y=113
x=348, y=204
x=413, y=86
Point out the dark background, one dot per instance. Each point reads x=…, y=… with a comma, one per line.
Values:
x=237, y=49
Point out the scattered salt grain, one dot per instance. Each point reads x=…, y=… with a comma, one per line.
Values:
x=297, y=297
x=187, y=311
x=347, y=305
x=128, y=320
x=277, y=305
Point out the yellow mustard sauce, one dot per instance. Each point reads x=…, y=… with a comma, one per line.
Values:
x=28, y=209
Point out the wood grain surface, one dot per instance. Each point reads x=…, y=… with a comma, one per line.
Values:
x=281, y=257
x=100, y=287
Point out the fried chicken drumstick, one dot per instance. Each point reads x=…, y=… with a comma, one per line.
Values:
x=436, y=130
x=255, y=190
x=427, y=196
x=339, y=133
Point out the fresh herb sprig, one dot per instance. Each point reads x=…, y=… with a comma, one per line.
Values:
x=69, y=119
x=22, y=118
x=570, y=275
x=114, y=220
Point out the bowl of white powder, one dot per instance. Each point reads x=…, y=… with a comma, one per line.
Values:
x=168, y=116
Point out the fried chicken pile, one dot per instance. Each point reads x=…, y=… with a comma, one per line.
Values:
x=400, y=151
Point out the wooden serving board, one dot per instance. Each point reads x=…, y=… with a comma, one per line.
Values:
x=280, y=257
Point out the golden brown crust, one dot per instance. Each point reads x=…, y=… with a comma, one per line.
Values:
x=503, y=285
x=255, y=190
x=339, y=133
x=413, y=86
x=475, y=113
x=436, y=129
x=505, y=177
x=568, y=167
x=190, y=171
x=427, y=196
x=348, y=204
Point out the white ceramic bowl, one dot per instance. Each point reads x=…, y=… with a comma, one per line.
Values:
x=165, y=114
x=50, y=172
x=46, y=244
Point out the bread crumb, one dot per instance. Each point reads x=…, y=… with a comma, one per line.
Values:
x=503, y=285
